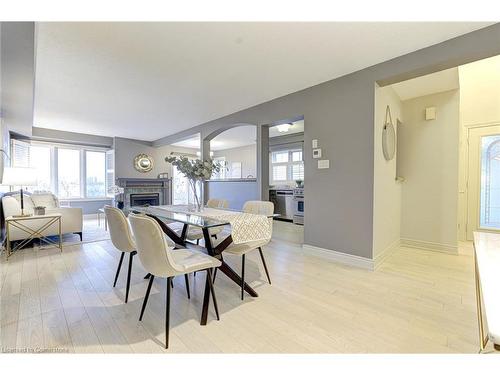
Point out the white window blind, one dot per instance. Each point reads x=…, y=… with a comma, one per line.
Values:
x=297, y=171
x=110, y=171
x=20, y=153
x=286, y=165
x=279, y=173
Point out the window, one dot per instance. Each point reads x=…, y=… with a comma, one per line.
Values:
x=490, y=182
x=40, y=159
x=71, y=172
x=296, y=155
x=95, y=165
x=222, y=172
x=280, y=157
x=297, y=172
x=279, y=173
x=68, y=173
x=180, y=187
x=286, y=166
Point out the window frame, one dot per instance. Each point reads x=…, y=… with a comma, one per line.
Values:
x=289, y=164
x=54, y=171
x=84, y=155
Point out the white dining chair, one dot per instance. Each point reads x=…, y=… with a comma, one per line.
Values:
x=259, y=208
x=160, y=260
x=122, y=239
x=195, y=233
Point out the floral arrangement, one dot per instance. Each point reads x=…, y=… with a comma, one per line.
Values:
x=195, y=171
x=117, y=190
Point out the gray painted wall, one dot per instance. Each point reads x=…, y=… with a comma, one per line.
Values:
x=340, y=114
x=90, y=207
x=125, y=152
x=18, y=75
x=236, y=192
x=51, y=135
x=127, y=149
x=247, y=155
x=286, y=139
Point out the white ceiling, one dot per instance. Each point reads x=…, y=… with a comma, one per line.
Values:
x=444, y=80
x=238, y=137
x=191, y=142
x=149, y=80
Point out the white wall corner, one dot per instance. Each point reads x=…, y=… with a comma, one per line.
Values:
x=432, y=246
x=339, y=257
x=386, y=253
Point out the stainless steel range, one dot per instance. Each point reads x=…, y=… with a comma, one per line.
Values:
x=298, y=206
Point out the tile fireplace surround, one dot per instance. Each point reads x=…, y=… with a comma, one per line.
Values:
x=147, y=187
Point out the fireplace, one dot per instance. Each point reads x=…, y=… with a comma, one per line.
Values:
x=142, y=199
x=141, y=191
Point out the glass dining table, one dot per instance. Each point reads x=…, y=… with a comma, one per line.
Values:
x=165, y=215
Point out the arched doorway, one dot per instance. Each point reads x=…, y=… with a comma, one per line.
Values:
x=236, y=149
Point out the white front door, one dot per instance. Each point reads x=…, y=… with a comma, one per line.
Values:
x=483, y=201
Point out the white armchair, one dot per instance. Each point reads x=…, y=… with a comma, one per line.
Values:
x=71, y=217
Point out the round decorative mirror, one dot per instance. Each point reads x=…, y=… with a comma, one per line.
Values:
x=388, y=137
x=143, y=163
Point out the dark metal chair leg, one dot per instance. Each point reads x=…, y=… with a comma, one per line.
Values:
x=214, y=299
x=146, y=297
x=148, y=275
x=264, y=263
x=172, y=282
x=186, y=279
x=198, y=241
x=215, y=274
x=131, y=256
x=242, y=277
x=118, y=269
x=167, y=312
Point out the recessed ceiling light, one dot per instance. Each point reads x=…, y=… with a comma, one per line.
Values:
x=283, y=128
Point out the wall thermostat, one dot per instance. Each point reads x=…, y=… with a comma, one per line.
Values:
x=316, y=153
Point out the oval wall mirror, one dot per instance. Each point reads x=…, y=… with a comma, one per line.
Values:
x=388, y=137
x=143, y=163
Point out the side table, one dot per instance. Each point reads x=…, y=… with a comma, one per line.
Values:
x=34, y=226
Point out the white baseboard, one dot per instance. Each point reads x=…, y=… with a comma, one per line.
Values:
x=384, y=254
x=432, y=246
x=336, y=256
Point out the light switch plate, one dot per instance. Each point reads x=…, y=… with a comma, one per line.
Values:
x=317, y=153
x=314, y=143
x=323, y=164
x=430, y=113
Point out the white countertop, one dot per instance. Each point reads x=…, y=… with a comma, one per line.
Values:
x=487, y=250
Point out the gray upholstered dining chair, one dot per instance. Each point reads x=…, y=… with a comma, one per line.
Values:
x=160, y=260
x=195, y=233
x=259, y=208
x=122, y=239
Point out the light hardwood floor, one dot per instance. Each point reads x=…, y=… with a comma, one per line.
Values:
x=417, y=301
